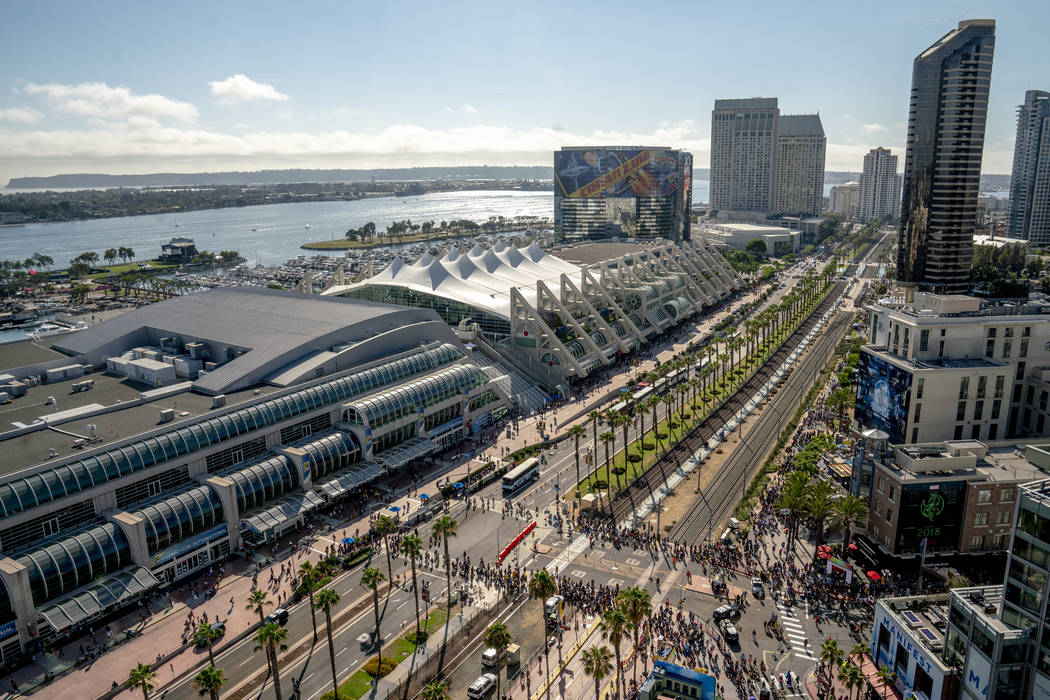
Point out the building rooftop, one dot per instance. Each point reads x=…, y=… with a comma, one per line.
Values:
x=966, y=460
x=600, y=251
x=927, y=618
x=984, y=602
x=747, y=103
x=261, y=330
x=800, y=125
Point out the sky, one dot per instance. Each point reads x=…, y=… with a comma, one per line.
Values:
x=138, y=87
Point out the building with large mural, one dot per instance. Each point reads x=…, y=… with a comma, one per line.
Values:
x=628, y=191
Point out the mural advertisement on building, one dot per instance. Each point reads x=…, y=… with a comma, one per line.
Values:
x=883, y=396
x=976, y=674
x=932, y=512
x=186, y=546
x=616, y=173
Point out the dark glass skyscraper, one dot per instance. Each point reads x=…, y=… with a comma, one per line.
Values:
x=942, y=167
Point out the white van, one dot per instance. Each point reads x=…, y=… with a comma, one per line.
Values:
x=482, y=686
x=553, y=605
x=491, y=658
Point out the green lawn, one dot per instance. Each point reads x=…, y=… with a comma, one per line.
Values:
x=674, y=428
x=121, y=268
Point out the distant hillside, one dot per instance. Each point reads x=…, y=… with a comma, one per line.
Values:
x=271, y=177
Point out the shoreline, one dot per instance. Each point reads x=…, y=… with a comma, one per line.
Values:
x=380, y=241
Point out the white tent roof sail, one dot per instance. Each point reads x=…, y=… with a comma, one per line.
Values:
x=480, y=277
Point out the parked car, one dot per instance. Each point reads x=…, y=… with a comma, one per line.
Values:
x=728, y=630
x=724, y=612
x=757, y=588
x=481, y=687
x=219, y=627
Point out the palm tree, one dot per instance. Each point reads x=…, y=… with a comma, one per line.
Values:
x=597, y=664
x=624, y=421
x=849, y=511
x=888, y=677
x=445, y=527
x=593, y=416
x=668, y=401
x=498, y=637
x=385, y=526
x=841, y=399
x=636, y=605
x=851, y=676
x=830, y=654
x=142, y=677
x=271, y=638
x=613, y=624
x=819, y=506
x=436, y=690
x=325, y=600
x=204, y=636
x=576, y=432
x=541, y=587
x=412, y=547
x=372, y=578
x=608, y=437
x=309, y=577
x=209, y=681
x=793, y=498
x=256, y=600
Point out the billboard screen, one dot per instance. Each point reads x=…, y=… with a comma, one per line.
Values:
x=931, y=512
x=883, y=397
x=607, y=172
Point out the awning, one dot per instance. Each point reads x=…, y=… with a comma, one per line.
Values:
x=400, y=455
x=349, y=479
x=98, y=597
x=288, y=508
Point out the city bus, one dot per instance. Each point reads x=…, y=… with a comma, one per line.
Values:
x=642, y=394
x=525, y=473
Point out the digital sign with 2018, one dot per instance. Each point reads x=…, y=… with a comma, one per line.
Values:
x=616, y=173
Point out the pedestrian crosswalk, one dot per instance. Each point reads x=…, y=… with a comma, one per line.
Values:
x=794, y=633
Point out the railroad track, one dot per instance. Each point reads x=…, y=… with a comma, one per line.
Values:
x=642, y=489
x=718, y=501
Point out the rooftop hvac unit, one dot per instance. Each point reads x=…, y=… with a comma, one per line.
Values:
x=167, y=415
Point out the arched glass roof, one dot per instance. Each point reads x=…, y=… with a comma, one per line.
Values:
x=263, y=481
x=330, y=452
x=178, y=517
x=26, y=492
x=407, y=399
x=74, y=561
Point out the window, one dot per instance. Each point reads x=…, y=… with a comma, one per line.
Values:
x=1020, y=371
x=1026, y=331
x=1002, y=517
x=993, y=431
x=960, y=411
x=943, y=332
x=918, y=412
x=984, y=496
x=940, y=350
x=976, y=542
x=989, y=348
x=958, y=433
x=924, y=340
x=978, y=409
x=889, y=516
x=1008, y=332
x=975, y=432
x=964, y=387
x=877, y=507
x=918, y=389
x=1023, y=352
x=51, y=526
x=980, y=519
x=998, y=541
x=982, y=385
x=999, y=382
x=907, y=335
x=1006, y=348
x=1029, y=396
x=893, y=492
x=1006, y=496
x=914, y=434
x=996, y=407
x=882, y=483
x=1042, y=400
x=991, y=332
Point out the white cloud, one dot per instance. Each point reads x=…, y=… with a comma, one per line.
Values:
x=241, y=88
x=102, y=101
x=469, y=109
x=872, y=128
x=284, y=115
x=20, y=115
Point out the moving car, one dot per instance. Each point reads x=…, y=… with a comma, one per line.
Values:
x=724, y=612
x=757, y=588
x=728, y=630
x=280, y=616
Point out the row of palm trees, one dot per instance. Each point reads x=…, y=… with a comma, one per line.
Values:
x=849, y=672
x=804, y=499
x=626, y=617
x=728, y=359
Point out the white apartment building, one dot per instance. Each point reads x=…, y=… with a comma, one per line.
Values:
x=880, y=187
x=801, y=147
x=951, y=368
x=843, y=199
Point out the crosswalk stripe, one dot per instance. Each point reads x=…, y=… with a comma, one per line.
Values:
x=805, y=656
x=796, y=635
x=788, y=623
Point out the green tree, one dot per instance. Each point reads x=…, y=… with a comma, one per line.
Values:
x=888, y=677
x=608, y=438
x=205, y=635
x=819, y=506
x=498, y=637
x=209, y=681
x=435, y=690
x=110, y=254
x=445, y=527
x=78, y=270
x=637, y=605
x=597, y=663
x=271, y=638
x=325, y=600
x=830, y=654
x=309, y=579
x=257, y=600
x=412, y=547
x=142, y=678
x=613, y=624
x=794, y=498
x=542, y=586
x=849, y=511
x=372, y=578
x=756, y=247
x=576, y=432
x=384, y=526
